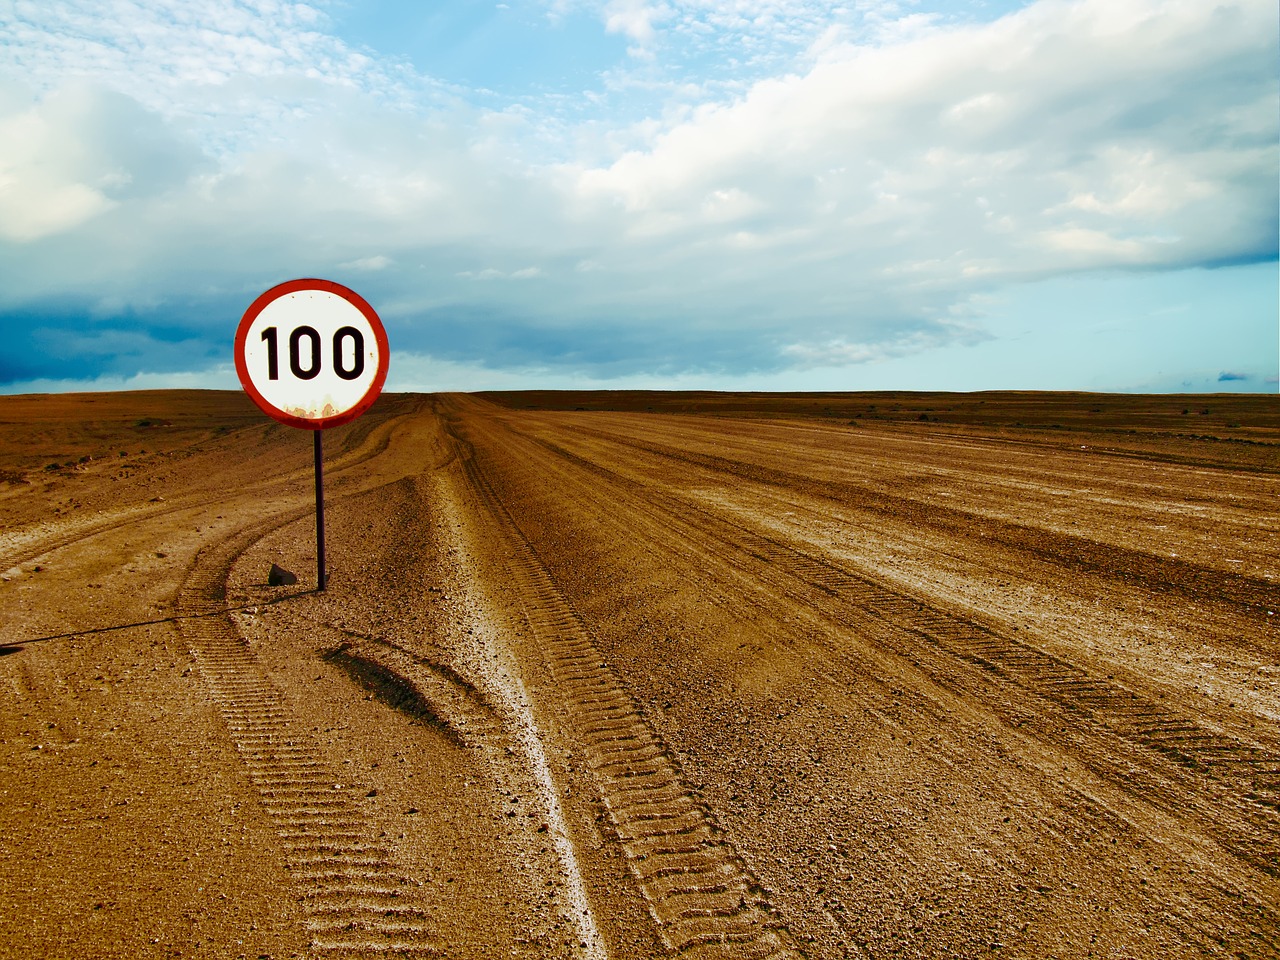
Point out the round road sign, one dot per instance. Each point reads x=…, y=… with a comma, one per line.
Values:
x=312, y=354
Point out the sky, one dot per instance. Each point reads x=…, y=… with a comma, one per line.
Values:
x=667, y=194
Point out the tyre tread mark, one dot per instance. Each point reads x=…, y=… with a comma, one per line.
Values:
x=904, y=624
x=328, y=844
x=746, y=923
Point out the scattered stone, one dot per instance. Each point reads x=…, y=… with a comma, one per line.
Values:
x=280, y=577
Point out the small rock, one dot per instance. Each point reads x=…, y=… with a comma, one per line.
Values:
x=280, y=577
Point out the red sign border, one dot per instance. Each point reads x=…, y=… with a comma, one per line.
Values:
x=353, y=298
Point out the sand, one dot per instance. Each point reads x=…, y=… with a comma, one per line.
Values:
x=633, y=675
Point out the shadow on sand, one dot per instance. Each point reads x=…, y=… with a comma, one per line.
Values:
x=14, y=646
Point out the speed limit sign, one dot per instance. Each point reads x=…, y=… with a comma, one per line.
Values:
x=312, y=353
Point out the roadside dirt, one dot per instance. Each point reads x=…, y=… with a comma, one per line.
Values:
x=638, y=675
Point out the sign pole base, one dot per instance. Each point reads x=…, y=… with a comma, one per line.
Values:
x=320, y=574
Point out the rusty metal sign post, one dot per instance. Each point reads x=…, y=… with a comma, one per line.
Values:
x=312, y=354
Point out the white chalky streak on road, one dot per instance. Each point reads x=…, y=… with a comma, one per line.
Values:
x=498, y=671
x=515, y=705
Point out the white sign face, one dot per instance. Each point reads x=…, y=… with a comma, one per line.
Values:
x=312, y=353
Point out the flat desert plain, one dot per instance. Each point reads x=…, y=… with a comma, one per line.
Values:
x=635, y=675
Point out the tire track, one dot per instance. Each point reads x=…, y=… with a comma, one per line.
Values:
x=1251, y=773
x=357, y=905
x=1242, y=594
x=1245, y=817
x=40, y=543
x=700, y=894
x=358, y=448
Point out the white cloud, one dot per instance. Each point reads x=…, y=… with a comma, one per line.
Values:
x=222, y=377
x=492, y=273
x=1128, y=130
x=879, y=172
x=77, y=154
x=35, y=205
x=231, y=70
x=841, y=352
x=636, y=19
x=368, y=264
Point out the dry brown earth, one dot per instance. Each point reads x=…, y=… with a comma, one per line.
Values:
x=637, y=675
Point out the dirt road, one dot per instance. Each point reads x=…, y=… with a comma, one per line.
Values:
x=636, y=675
